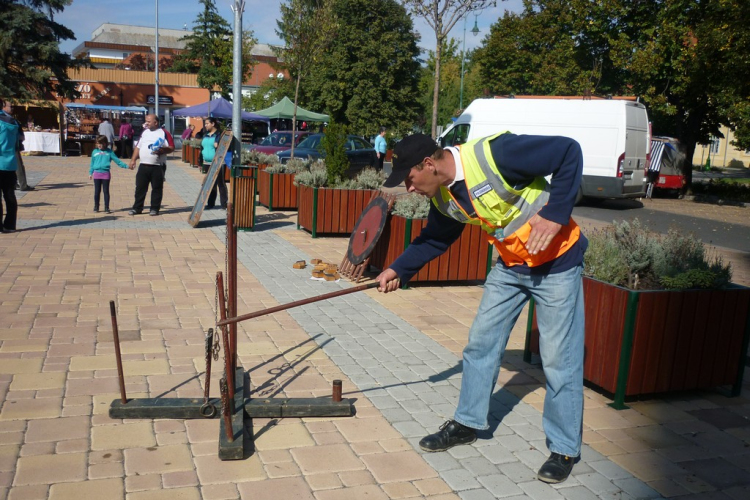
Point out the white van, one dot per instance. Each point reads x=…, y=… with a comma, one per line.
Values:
x=614, y=135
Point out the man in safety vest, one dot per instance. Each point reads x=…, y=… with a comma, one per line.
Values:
x=499, y=184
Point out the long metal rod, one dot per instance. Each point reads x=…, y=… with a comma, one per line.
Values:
x=118, y=356
x=232, y=286
x=228, y=367
x=282, y=307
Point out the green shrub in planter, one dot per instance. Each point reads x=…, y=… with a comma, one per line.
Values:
x=627, y=254
x=250, y=157
x=315, y=175
x=334, y=145
x=293, y=166
x=368, y=178
x=196, y=143
x=411, y=206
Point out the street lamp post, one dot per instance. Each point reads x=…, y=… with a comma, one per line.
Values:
x=156, y=64
x=475, y=32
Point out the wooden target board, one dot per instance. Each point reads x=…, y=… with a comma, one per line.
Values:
x=225, y=142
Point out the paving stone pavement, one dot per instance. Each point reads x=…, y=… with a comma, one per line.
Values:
x=397, y=357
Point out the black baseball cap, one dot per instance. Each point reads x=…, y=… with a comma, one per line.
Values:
x=408, y=153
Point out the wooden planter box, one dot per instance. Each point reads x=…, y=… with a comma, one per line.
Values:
x=654, y=341
x=468, y=258
x=331, y=211
x=195, y=157
x=185, y=152
x=277, y=191
x=244, y=197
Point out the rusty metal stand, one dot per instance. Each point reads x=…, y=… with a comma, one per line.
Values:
x=234, y=406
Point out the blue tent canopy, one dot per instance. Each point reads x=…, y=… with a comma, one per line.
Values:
x=135, y=109
x=219, y=108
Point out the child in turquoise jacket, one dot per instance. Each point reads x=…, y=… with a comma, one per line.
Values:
x=101, y=158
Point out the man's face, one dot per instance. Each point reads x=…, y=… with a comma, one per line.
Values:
x=6, y=107
x=423, y=181
x=151, y=122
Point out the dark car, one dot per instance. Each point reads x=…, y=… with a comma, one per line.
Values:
x=276, y=142
x=361, y=154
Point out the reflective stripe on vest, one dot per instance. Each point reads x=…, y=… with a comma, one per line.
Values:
x=503, y=212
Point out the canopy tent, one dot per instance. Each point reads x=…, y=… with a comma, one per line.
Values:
x=285, y=109
x=217, y=108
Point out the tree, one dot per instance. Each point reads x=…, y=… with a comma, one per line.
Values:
x=687, y=60
x=367, y=77
x=209, y=48
x=270, y=91
x=442, y=16
x=31, y=64
x=307, y=27
x=450, y=85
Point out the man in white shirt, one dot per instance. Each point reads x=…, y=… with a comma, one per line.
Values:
x=152, y=149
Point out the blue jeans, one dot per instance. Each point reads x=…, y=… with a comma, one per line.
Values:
x=560, y=316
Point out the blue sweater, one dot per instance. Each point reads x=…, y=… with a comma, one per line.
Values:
x=101, y=159
x=520, y=159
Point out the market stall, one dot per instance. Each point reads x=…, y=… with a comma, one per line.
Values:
x=40, y=121
x=82, y=123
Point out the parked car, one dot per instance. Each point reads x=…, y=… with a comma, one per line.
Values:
x=276, y=142
x=361, y=154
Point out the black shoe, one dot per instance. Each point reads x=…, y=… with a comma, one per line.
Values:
x=556, y=469
x=450, y=434
x=210, y=207
x=96, y=209
x=108, y=211
x=223, y=207
x=27, y=188
x=153, y=213
x=134, y=212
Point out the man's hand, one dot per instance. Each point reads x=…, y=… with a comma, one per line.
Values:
x=389, y=281
x=542, y=232
x=132, y=164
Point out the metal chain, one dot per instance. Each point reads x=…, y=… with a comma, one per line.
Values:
x=216, y=321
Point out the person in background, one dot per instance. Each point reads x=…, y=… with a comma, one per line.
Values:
x=10, y=146
x=152, y=149
x=381, y=147
x=188, y=133
x=21, y=182
x=126, y=138
x=101, y=158
x=209, y=143
x=107, y=130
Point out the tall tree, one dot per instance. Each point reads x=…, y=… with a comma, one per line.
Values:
x=307, y=27
x=450, y=85
x=208, y=51
x=442, y=16
x=687, y=59
x=367, y=77
x=31, y=64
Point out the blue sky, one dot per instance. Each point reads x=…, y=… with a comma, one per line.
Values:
x=84, y=16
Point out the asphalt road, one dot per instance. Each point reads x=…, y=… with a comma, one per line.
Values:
x=733, y=236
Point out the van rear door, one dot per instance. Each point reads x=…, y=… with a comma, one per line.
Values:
x=636, y=149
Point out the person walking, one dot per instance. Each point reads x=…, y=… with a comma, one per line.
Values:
x=381, y=147
x=107, y=130
x=101, y=158
x=126, y=138
x=152, y=150
x=10, y=147
x=188, y=132
x=209, y=143
x=498, y=183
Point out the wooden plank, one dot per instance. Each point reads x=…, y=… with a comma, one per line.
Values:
x=724, y=335
x=670, y=342
x=679, y=371
x=710, y=341
x=695, y=331
x=210, y=178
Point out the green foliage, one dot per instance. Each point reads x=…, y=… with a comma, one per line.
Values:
x=334, y=145
x=292, y=166
x=412, y=206
x=209, y=50
x=368, y=178
x=196, y=143
x=686, y=59
x=723, y=189
x=628, y=254
x=31, y=64
x=367, y=76
x=271, y=91
x=252, y=157
x=315, y=175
